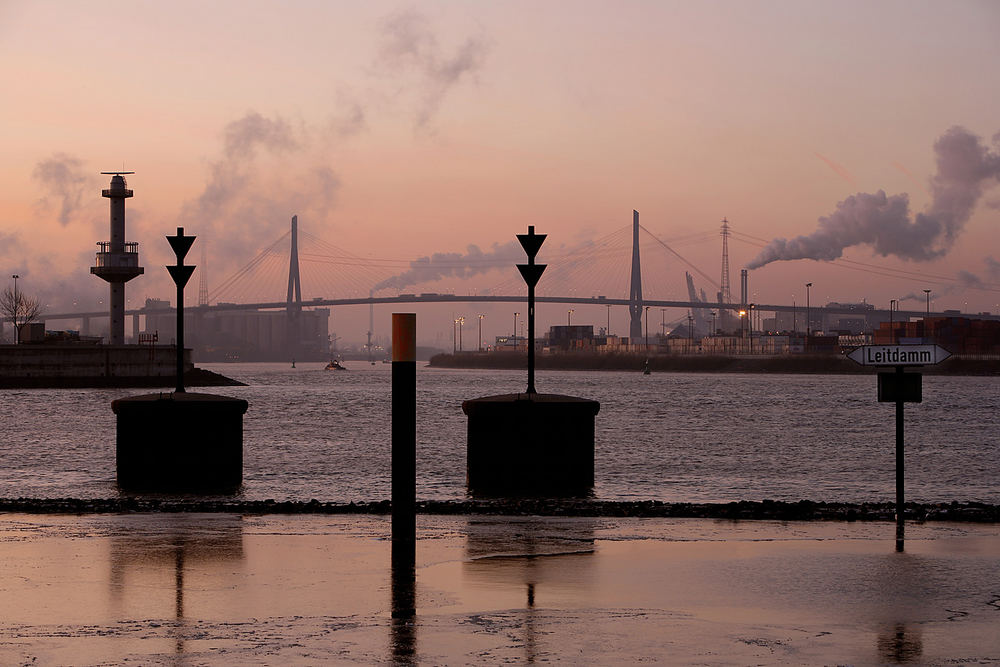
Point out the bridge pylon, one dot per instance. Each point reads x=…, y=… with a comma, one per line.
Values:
x=293, y=302
x=635, y=291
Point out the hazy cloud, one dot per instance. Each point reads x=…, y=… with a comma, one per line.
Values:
x=241, y=141
x=248, y=203
x=349, y=117
x=965, y=168
x=10, y=244
x=407, y=44
x=453, y=264
x=63, y=178
x=964, y=280
x=992, y=268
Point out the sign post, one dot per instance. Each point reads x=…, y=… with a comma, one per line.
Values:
x=899, y=387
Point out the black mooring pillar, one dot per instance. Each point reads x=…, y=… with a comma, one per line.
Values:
x=179, y=443
x=404, y=434
x=530, y=445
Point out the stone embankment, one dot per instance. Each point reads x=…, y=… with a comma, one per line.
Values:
x=803, y=510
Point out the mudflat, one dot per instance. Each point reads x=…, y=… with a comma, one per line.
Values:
x=226, y=588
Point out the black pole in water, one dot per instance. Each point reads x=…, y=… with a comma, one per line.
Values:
x=531, y=272
x=181, y=274
x=404, y=436
x=900, y=503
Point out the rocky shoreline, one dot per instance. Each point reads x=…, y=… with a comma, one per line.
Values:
x=803, y=510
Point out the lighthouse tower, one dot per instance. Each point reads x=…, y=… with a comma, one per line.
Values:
x=117, y=261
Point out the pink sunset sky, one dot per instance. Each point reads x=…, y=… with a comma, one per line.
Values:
x=398, y=131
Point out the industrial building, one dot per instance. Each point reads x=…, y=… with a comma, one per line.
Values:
x=241, y=335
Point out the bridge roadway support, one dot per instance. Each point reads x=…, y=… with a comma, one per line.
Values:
x=635, y=290
x=180, y=443
x=530, y=445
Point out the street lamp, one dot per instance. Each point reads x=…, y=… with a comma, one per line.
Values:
x=608, y=332
x=743, y=315
x=663, y=322
x=17, y=332
x=647, y=329
x=713, y=314
x=808, y=323
x=927, y=293
x=515, y=329
x=461, y=321
x=481, y=316
x=569, y=317
x=454, y=336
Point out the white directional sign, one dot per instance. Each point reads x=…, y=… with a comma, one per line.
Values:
x=899, y=355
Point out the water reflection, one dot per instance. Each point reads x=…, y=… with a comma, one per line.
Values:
x=539, y=556
x=404, y=607
x=145, y=548
x=905, y=586
x=900, y=644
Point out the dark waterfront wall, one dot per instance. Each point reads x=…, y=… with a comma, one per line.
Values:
x=64, y=366
x=799, y=363
x=56, y=361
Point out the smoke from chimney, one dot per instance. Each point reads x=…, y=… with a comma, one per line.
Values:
x=965, y=168
x=62, y=176
x=407, y=43
x=453, y=264
x=963, y=280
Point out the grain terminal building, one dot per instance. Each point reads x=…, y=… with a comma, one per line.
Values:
x=242, y=335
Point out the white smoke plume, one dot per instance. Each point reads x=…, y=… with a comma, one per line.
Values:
x=253, y=189
x=964, y=280
x=407, y=43
x=965, y=168
x=241, y=141
x=62, y=175
x=453, y=264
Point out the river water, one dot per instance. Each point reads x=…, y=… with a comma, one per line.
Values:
x=675, y=437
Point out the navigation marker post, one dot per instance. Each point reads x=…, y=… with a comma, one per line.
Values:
x=899, y=387
x=530, y=444
x=531, y=272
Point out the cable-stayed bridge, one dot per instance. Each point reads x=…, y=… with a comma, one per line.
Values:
x=630, y=267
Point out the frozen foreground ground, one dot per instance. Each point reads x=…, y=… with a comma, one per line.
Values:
x=227, y=589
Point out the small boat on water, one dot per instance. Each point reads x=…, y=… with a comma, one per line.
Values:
x=335, y=365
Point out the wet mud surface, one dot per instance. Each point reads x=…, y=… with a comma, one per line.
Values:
x=225, y=588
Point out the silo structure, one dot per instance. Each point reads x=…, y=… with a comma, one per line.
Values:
x=117, y=262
